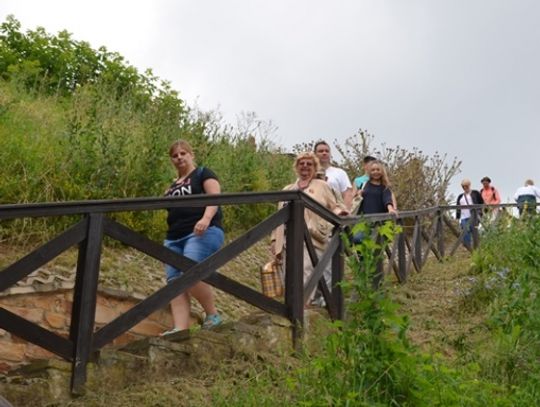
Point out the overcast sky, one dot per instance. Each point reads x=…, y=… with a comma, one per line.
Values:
x=459, y=77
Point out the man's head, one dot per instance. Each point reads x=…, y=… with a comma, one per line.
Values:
x=485, y=182
x=466, y=185
x=368, y=159
x=529, y=182
x=322, y=150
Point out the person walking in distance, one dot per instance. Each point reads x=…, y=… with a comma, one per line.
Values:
x=491, y=196
x=465, y=216
x=526, y=197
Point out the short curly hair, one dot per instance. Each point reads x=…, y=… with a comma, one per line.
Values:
x=308, y=155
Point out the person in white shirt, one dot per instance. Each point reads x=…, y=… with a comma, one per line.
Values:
x=468, y=197
x=526, y=197
x=335, y=177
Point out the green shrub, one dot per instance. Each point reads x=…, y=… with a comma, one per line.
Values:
x=507, y=263
x=367, y=359
x=78, y=124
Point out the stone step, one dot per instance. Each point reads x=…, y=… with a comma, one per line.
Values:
x=258, y=335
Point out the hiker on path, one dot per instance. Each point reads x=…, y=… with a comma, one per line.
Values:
x=376, y=194
x=360, y=181
x=306, y=166
x=193, y=232
x=491, y=196
x=526, y=198
x=466, y=220
x=336, y=177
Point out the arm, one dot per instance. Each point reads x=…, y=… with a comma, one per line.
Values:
x=354, y=189
x=347, y=197
x=329, y=199
x=479, y=198
x=389, y=199
x=211, y=186
x=497, y=197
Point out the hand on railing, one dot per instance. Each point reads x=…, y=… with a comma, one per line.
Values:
x=273, y=248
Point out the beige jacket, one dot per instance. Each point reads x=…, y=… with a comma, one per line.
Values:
x=320, y=230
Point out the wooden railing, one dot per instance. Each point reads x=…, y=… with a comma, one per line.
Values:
x=410, y=249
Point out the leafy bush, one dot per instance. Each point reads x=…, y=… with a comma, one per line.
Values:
x=78, y=123
x=508, y=267
x=367, y=359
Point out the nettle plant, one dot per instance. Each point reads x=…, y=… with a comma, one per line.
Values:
x=368, y=359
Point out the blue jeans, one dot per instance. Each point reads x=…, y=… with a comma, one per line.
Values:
x=467, y=227
x=196, y=248
x=358, y=237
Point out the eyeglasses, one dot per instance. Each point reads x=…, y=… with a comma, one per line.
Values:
x=305, y=164
x=465, y=186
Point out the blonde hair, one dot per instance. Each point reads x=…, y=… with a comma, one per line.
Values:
x=308, y=155
x=384, y=175
x=182, y=144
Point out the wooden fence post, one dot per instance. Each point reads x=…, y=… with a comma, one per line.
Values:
x=337, y=277
x=440, y=233
x=84, y=301
x=294, y=270
x=402, y=255
x=474, y=226
x=417, y=243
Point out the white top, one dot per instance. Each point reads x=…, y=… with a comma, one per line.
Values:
x=527, y=190
x=337, y=179
x=466, y=199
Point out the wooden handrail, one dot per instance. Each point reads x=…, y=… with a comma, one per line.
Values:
x=89, y=232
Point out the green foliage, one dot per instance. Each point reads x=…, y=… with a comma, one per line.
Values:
x=58, y=65
x=367, y=359
x=508, y=268
x=78, y=123
x=418, y=180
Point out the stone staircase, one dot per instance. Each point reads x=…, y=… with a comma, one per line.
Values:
x=46, y=382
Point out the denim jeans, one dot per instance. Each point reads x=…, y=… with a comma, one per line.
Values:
x=467, y=227
x=196, y=248
x=358, y=237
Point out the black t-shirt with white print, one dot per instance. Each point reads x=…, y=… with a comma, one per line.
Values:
x=181, y=221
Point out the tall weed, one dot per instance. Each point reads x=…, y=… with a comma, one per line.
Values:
x=367, y=360
x=508, y=264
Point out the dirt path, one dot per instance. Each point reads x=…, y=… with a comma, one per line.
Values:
x=434, y=301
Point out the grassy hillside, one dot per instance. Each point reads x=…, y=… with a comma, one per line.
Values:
x=78, y=123
x=439, y=340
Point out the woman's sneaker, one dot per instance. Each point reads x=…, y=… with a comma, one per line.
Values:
x=175, y=334
x=211, y=321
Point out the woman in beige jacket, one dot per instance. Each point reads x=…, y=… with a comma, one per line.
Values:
x=306, y=166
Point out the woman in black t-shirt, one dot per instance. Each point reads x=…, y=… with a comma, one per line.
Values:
x=193, y=232
x=376, y=195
